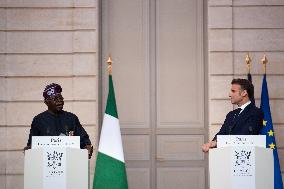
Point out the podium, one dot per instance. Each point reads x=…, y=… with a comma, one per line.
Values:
x=56, y=162
x=241, y=161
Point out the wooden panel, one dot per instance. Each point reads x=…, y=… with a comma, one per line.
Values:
x=136, y=147
x=181, y=178
x=179, y=147
x=138, y=178
x=126, y=38
x=179, y=64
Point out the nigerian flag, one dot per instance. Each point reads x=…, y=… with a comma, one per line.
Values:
x=110, y=172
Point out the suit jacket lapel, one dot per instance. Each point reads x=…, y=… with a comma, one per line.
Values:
x=242, y=115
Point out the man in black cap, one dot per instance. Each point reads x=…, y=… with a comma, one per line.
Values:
x=55, y=121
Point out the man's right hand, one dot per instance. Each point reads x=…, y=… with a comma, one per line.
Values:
x=27, y=147
x=209, y=145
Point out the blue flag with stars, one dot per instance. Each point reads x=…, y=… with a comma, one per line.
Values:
x=269, y=132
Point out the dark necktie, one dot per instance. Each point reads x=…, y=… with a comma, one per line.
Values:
x=236, y=114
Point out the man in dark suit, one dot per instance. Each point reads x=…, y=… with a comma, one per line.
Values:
x=57, y=122
x=246, y=119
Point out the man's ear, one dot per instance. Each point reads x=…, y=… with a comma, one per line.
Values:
x=244, y=93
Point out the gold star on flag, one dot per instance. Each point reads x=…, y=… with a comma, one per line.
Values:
x=270, y=133
x=264, y=123
x=272, y=146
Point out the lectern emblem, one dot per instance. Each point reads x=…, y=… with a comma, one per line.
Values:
x=54, y=160
x=243, y=163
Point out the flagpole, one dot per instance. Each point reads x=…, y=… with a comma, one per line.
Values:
x=248, y=62
x=110, y=171
x=264, y=61
x=109, y=67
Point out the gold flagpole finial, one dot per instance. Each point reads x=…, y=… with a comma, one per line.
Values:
x=264, y=61
x=248, y=61
x=109, y=67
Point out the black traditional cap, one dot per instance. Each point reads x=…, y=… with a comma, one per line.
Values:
x=51, y=90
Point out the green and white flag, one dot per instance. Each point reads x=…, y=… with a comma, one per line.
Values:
x=110, y=172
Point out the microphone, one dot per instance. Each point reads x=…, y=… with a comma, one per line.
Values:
x=250, y=130
x=66, y=130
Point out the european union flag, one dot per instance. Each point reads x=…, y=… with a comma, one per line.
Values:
x=269, y=132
